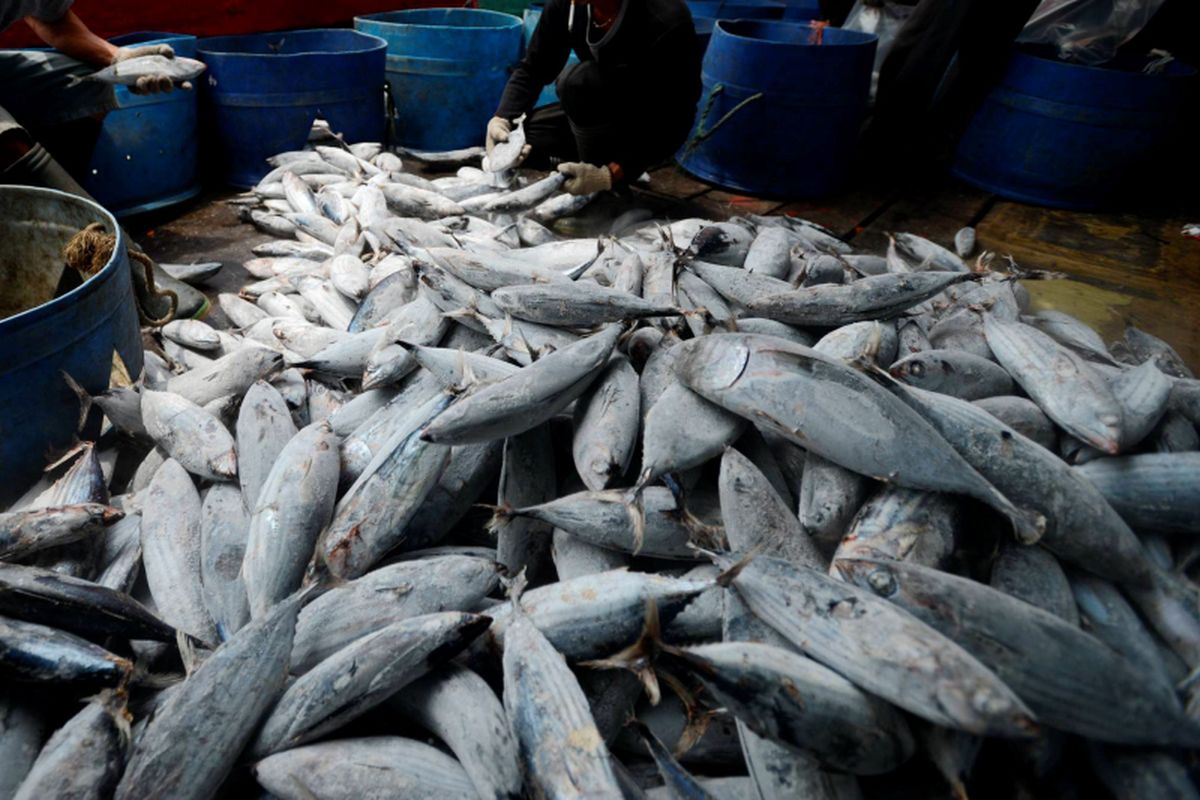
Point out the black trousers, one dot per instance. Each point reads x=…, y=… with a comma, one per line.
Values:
x=599, y=123
x=944, y=60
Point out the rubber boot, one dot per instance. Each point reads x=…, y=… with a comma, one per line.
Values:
x=38, y=168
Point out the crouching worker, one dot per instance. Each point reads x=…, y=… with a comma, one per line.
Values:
x=628, y=104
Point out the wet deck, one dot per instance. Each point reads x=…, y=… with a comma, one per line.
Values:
x=1122, y=268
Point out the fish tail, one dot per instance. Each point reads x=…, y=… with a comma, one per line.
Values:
x=640, y=656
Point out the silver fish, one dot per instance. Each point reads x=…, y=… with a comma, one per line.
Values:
x=376, y=766
x=194, y=739
x=361, y=676
x=295, y=504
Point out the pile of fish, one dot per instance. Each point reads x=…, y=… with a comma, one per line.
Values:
x=456, y=507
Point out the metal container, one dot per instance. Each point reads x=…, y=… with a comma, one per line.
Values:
x=145, y=157
x=446, y=70
x=263, y=91
x=780, y=113
x=42, y=338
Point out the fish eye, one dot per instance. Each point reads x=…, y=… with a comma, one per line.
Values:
x=882, y=582
x=917, y=369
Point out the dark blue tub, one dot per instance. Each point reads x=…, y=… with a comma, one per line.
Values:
x=1072, y=136
x=705, y=14
x=263, y=91
x=446, y=70
x=145, y=157
x=791, y=109
x=39, y=340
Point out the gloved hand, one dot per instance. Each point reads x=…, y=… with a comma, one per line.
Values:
x=498, y=129
x=149, y=84
x=585, y=178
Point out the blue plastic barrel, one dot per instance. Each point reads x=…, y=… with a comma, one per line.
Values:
x=446, y=70
x=533, y=15
x=1071, y=136
x=145, y=157
x=736, y=9
x=779, y=115
x=263, y=91
x=705, y=14
x=40, y=337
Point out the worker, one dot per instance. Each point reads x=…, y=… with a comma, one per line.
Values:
x=41, y=94
x=628, y=104
x=44, y=101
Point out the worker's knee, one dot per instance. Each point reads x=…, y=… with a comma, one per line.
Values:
x=580, y=90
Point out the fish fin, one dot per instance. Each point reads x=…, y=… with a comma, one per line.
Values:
x=85, y=399
x=639, y=657
x=501, y=515
x=730, y=571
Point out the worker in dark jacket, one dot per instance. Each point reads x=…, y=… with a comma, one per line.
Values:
x=629, y=102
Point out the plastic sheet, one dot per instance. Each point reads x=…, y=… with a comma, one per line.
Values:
x=883, y=18
x=1088, y=31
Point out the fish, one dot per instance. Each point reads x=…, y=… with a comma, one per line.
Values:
x=763, y=378
x=458, y=706
x=126, y=73
x=85, y=756
x=557, y=739
x=361, y=676
x=194, y=739
x=1070, y=680
x=376, y=766
x=1071, y=393
x=526, y=399
x=295, y=504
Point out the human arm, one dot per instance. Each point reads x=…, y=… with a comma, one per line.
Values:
x=544, y=58
x=70, y=36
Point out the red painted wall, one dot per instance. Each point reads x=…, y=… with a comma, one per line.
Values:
x=216, y=17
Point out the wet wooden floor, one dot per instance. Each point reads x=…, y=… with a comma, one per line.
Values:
x=1121, y=268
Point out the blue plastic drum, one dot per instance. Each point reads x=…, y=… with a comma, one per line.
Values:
x=42, y=336
x=446, y=71
x=263, y=91
x=145, y=157
x=1072, y=136
x=780, y=113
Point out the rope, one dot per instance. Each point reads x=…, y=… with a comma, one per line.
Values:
x=702, y=134
x=89, y=251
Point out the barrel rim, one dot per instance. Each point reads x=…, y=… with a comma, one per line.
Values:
x=371, y=44
x=1026, y=53
x=151, y=37
x=32, y=315
x=504, y=20
x=856, y=38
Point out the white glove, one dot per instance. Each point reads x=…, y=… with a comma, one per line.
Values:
x=585, y=178
x=148, y=84
x=498, y=129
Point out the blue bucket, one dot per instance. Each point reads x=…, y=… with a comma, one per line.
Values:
x=780, y=116
x=263, y=91
x=705, y=14
x=736, y=9
x=446, y=70
x=145, y=157
x=42, y=338
x=1072, y=136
